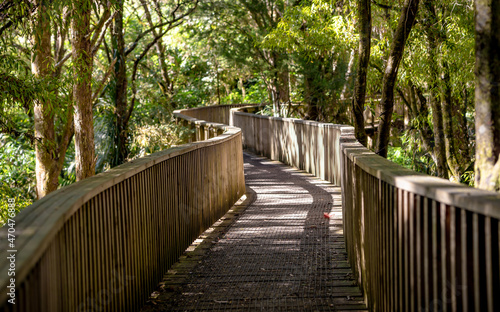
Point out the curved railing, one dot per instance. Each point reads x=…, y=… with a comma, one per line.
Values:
x=104, y=243
x=416, y=243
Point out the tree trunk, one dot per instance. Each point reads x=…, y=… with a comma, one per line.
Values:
x=311, y=90
x=455, y=132
x=433, y=38
x=167, y=86
x=419, y=113
x=50, y=152
x=358, y=101
x=120, y=81
x=487, y=166
x=277, y=84
x=82, y=90
x=42, y=68
x=405, y=24
x=284, y=83
x=347, y=79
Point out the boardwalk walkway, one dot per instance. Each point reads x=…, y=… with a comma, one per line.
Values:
x=276, y=252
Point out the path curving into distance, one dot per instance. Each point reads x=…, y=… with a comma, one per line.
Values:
x=275, y=252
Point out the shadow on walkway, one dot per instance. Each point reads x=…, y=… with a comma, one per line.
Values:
x=280, y=254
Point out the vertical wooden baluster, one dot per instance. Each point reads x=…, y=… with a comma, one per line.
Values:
x=411, y=252
x=418, y=257
x=491, y=267
x=406, y=247
x=436, y=260
x=393, y=221
x=427, y=245
x=147, y=264
x=107, y=248
x=92, y=252
x=399, y=266
x=387, y=250
x=444, y=253
x=121, y=240
x=69, y=302
x=453, y=257
x=80, y=282
x=465, y=254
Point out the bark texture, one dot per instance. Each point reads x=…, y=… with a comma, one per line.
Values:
x=405, y=24
x=50, y=149
x=42, y=67
x=120, y=83
x=358, y=101
x=487, y=98
x=82, y=90
x=433, y=39
x=166, y=85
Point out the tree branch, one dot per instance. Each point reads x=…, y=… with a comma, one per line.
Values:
x=97, y=40
x=103, y=81
x=134, y=44
x=134, y=72
x=61, y=62
x=69, y=130
x=384, y=6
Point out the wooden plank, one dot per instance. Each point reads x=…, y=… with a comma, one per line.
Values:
x=418, y=256
x=427, y=252
x=411, y=252
x=452, y=259
x=400, y=266
x=465, y=229
x=435, y=296
x=445, y=256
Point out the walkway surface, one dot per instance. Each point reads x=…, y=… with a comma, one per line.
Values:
x=278, y=251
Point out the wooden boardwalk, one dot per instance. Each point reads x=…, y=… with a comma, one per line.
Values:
x=280, y=250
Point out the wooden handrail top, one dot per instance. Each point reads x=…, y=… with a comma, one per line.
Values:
x=37, y=225
x=475, y=200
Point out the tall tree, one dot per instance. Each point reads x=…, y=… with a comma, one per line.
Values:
x=431, y=25
x=487, y=166
x=358, y=100
x=120, y=85
x=177, y=12
x=405, y=24
x=82, y=89
x=50, y=148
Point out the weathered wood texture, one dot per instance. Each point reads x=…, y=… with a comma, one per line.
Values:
x=104, y=243
x=214, y=113
x=415, y=242
x=307, y=145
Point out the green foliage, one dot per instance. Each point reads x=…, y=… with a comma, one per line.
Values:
x=411, y=159
x=17, y=173
x=18, y=168
x=316, y=28
x=149, y=139
x=19, y=204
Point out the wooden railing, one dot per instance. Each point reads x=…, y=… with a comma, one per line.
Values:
x=215, y=113
x=307, y=145
x=104, y=243
x=415, y=242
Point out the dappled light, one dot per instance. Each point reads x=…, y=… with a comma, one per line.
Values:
x=281, y=251
x=241, y=155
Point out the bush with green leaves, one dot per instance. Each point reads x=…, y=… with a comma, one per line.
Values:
x=17, y=174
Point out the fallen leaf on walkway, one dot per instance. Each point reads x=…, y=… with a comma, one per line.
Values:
x=220, y=301
x=326, y=215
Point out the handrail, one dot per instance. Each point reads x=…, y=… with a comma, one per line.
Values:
x=105, y=242
x=415, y=242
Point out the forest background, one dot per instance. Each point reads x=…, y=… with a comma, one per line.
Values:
x=88, y=85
